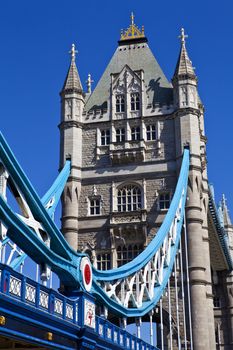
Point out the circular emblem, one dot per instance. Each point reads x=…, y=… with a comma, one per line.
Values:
x=86, y=272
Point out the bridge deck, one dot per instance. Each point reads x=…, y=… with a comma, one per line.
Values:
x=38, y=316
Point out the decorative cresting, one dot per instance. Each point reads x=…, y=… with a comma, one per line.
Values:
x=133, y=32
x=33, y=231
x=135, y=288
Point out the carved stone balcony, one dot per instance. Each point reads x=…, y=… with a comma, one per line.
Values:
x=127, y=152
x=137, y=217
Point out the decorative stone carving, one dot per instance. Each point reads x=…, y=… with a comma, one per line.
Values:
x=68, y=108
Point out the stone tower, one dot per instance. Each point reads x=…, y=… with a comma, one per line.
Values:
x=72, y=104
x=125, y=141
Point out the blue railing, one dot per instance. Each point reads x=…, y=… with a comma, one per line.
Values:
x=40, y=299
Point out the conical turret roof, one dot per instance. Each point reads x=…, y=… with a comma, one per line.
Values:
x=72, y=81
x=184, y=64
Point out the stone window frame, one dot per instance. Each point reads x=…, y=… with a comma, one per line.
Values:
x=103, y=259
x=135, y=101
x=151, y=132
x=95, y=199
x=165, y=200
x=125, y=254
x=136, y=199
x=136, y=133
x=120, y=135
x=105, y=137
x=120, y=103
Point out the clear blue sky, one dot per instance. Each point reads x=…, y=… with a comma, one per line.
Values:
x=35, y=37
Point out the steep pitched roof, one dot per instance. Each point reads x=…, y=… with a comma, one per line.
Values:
x=72, y=81
x=138, y=56
x=184, y=65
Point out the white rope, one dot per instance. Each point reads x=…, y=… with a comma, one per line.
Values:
x=188, y=286
x=182, y=293
x=170, y=315
x=177, y=307
x=161, y=323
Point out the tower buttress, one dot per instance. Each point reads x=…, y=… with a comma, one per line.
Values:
x=72, y=104
x=189, y=128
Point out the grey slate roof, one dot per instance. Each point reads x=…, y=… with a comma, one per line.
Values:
x=72, y=81
x=137, y=57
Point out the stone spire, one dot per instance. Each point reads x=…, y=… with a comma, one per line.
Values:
x=225, y=212
x=72, y=81
x=184, y=65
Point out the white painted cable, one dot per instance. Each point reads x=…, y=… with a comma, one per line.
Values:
x=183, y=299
x=188, y=285
x=177, y=307
x=161, y=323
x=170, y=315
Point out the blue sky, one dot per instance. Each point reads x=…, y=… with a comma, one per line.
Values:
x=36, y=36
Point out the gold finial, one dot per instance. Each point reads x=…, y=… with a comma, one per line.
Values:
x=133, y=31
x=49, y=336
x=2, y=320
x=183, y=36
x=73, y=52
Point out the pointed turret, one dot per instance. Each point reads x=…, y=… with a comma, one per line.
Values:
x=72, y=104
x=184, y=65
x=225, y=212
x=72, y=81
x=184, y=79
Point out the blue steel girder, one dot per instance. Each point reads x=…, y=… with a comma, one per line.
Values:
x=154, y=263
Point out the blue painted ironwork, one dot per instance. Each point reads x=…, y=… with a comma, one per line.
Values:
x=219, y=225
x=177, y=207
x=50, y=201
x=66, y=263
x=47, y=309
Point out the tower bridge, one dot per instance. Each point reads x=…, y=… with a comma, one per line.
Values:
x=142, y=238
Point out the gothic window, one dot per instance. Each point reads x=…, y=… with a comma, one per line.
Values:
x=164, y=201
x=105, y=137
x=104, y=261
x=135, y=102
x=151, y=132
x=129, y=198
x=135, y=134
x=120, y=135
x=120, y=103
x=95, y=206
x=127, y=253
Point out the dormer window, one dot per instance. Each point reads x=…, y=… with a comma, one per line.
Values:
x=120, y=103
x=151, y=132
x=105, y=137
x=120, y=135
x=135, y=102
x=135, y=134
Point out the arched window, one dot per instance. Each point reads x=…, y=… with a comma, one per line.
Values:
x=127, y=253
x=135, y=102
x=129, y=198
x=120, y=103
